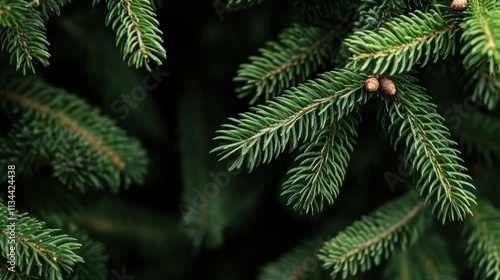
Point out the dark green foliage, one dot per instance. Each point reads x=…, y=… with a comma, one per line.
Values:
x=322, y=166
x=479, y=135
x=23, y=34
x=84, y=149
x=301, y=52
x=57, y=145
x=315, y=11
x=260, y=135
x=91, y=251
x=290, y=186
x=300, y=263
x=41, y=252
x=367, y=242
x=480, y=35
x=411, y=120
x=137, y=31
x=25, y=40
x=386, y=42
x=404, y=41
x=51, y=8
x=428, y=258
x=481, y=50
x=482, y=236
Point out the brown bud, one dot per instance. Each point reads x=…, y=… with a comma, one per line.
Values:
x=458, y=5
x=371, y=84
x=387, y=86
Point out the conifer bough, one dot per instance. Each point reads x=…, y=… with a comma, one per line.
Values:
x=49, y=127
x=23, y=33
x=383, y=45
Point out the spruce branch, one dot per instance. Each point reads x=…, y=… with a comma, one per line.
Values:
x=403, y=42
x=482, y=235
x=300, y=52
x=137, y=32
x=13, y=12
x=26, y=41
x=375, y=237
x=91, y=251
x=26, y=145
x=84, y=148
x=322, y=166
x=51, y=253
x=412, y=121
x=481, y=35
x=264, y=132
x=428, y=258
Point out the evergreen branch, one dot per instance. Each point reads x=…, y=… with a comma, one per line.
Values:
x=94, y=256
x=402, y=43
x=482, y=235
x=300, y=263
x=26, y=146
x=92, y=252
x=26, y=42
x=480, y=135
x=13, y=12
x=480, y=35
x=322, y=168
x=301, y=52
x=387, y=230
x=84, y=148
x=52, y=254
x=428, y=258
x=137, y=32
x=263, y=133
x=409, y=117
